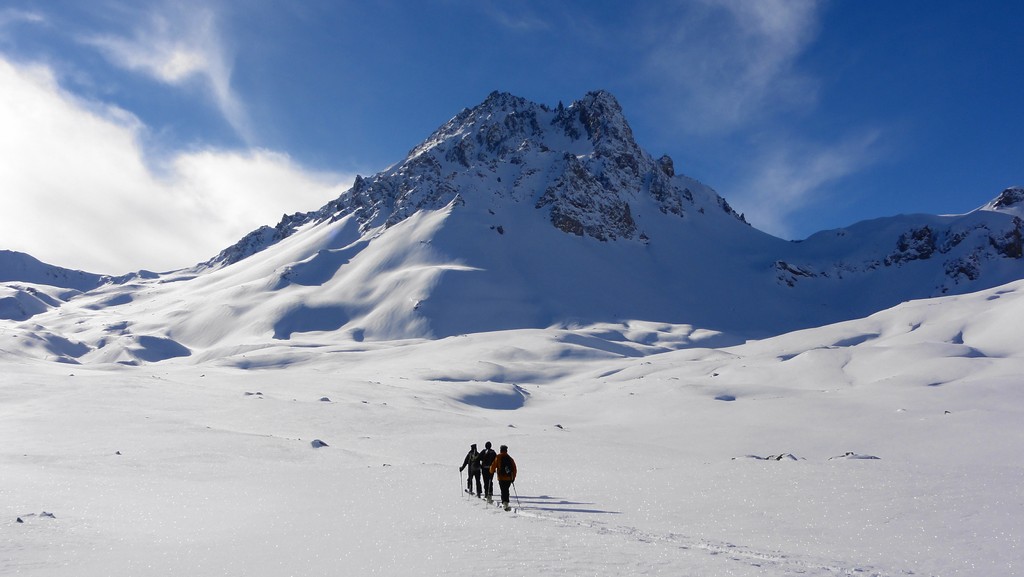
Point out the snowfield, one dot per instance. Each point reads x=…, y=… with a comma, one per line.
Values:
x=300, y=403
x=888, y=445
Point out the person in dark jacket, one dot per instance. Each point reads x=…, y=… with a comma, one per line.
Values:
x=472, y=461
x=505, y=466
x=486, y=458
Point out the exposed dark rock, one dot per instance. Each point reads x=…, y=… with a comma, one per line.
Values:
x=667, y=166
x=591, y=191
x=1009, y=198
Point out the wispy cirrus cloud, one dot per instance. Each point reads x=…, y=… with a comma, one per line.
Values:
x=727, y=62
x=785, y=179
x=730, y=71
x=177, y=44
x=514, y=16
x=9, y=16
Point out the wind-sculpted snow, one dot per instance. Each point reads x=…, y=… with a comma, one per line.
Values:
x=507, y=398
x=320, y=268
x=878, y=446
x=21, y=301
x=305, y=318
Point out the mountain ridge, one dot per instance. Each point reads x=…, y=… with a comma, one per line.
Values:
x=583, y=155
x=519, y=215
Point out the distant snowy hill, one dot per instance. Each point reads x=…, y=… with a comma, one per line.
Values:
x=518, y=215
x=18, y=266
x=29, y=287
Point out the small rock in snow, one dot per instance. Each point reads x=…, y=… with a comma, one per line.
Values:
x=325, y=400
x=317, y=443
x=779, y=457
x=852, y=455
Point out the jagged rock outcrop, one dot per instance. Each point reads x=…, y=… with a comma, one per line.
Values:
x=965, y=244
x=578, y=165
x=1010, y=198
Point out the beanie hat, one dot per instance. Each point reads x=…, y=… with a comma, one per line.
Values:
x=487, y=444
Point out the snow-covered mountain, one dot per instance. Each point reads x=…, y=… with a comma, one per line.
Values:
x=595, y=304
x=30, y=286
x=519, y=215
x=18, y=266
x=578, y=166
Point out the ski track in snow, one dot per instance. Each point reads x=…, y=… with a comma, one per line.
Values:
x=778, y=563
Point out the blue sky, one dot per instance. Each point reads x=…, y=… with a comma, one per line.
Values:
x=154, y=134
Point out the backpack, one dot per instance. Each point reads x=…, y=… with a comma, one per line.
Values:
x=506, y=466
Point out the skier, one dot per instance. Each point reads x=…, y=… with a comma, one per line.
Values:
x=486, y=458
x=505, y=466
x=472, y=461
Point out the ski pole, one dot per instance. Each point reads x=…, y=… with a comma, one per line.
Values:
x=460, y=483
x=518, y=504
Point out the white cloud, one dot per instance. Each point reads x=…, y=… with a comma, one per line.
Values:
x=729, y=69
x=789, y=177
x=514, y=16
x=77, y=191
x=722, y=63
x=177, y=45
x=9, y=16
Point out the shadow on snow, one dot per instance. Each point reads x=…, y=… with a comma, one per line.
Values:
x=559, y=505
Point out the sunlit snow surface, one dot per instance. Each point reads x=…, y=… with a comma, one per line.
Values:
x=634, y=459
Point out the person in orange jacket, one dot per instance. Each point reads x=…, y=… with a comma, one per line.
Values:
x=505, y=466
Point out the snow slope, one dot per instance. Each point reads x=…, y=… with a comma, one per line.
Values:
x=517, y=215
x=17, y=266
x=903, y=427
x=684, y=394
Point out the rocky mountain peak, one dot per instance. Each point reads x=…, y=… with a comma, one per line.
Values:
x=503, y=122
x=578, y=165
x=601, y=115
x=1012, y=197
x=1010, y=201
